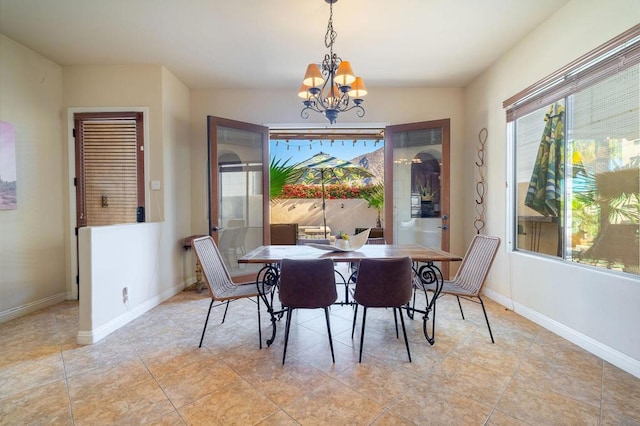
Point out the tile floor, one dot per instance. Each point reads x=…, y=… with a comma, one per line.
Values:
x=152, y=372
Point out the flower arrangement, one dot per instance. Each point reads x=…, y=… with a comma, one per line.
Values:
x=343, y=235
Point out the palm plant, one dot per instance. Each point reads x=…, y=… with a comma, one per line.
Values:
x=375, y=199
x=281, y=174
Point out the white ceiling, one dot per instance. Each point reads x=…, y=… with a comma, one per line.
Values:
x=268, y=43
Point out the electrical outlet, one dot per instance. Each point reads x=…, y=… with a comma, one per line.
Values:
x=125, y=294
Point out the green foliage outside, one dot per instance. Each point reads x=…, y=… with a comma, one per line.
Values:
x=281, y=174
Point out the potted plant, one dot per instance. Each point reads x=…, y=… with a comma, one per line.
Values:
x=426, y=194
x=375, y=199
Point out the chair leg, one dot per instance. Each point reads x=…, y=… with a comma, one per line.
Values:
x=286, y=334
x=486, y=319
x=460, y=305
x=404, y=331
x=326, y=315
x=205, y=323
x=364, y=319
x=259, y=325
x=395, y=320
x=225, y=312
x=355, y=314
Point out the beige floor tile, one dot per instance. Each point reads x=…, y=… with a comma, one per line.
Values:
x=152, y=372
x=529, y=403
x=621, y=393
x=389, y=419
x=106, y=353
x=497, y=357
x=30, y=372
x=565, y=355
x=472, y=380
x=48, y=404
x=429, y=403
x=377, y=381
x=125, y=393
x=584, y=386
x=236, y=404
x=284, y=383
x=279, y=419
x=190, y=382
x=333, y=403
x=498, y=418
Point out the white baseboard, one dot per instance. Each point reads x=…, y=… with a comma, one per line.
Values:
x=89, y=337
x=620, y=360
x=22, y=310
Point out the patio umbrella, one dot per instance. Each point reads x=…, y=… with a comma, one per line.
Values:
x=545, y=188
x=323, y=168
x=544, y=194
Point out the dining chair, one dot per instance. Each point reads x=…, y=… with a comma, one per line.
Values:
x=383, y=283
x=307, y=284
x=471, y=275
x=284, y=233
x=221, y=287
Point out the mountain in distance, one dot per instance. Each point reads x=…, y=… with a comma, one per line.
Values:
x=374, y=163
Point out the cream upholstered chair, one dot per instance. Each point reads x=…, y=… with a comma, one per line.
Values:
x=221, y=287
x=471, y=275
x=308, y=284
x=383, y=283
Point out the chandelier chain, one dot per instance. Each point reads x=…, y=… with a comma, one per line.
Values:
x=330, y=36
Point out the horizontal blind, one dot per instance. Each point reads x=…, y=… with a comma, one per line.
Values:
x=597, y=65
x=109, y=151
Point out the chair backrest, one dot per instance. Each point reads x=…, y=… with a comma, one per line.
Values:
x=241, y=236
x=303, y=241
x=228, y=238
x=215, y=272
x=284, y=233
x=476, y=263
x=376, y=241
x=307, y=283
x=384, y=282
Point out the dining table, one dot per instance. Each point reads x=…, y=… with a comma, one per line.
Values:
x=427, y=274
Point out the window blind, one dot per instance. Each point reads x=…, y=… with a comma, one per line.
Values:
x=610, y=58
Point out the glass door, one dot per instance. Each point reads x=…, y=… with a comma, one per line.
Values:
x=417, y=162
x=237, y=186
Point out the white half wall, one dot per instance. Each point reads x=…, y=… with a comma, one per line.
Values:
x=115, y=258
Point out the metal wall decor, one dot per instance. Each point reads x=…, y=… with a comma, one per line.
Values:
x=478, y=222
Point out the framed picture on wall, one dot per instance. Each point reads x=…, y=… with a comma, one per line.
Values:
x=8, y=196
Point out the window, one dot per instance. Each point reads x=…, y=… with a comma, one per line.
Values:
x=576, y=139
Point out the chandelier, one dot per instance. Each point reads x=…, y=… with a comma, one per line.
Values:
x=331, y=88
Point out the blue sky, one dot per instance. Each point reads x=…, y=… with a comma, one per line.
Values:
x=301, y=150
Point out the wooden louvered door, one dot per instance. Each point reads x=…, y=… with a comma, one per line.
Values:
x=109, y=168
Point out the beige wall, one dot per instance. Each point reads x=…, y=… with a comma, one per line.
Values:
x=176, y=181
x=591, y=308
x=32, y=255
x=37, y=245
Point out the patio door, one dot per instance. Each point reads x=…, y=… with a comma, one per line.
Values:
x=238, y=190
x=417, y=162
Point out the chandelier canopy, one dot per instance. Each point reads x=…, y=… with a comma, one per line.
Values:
x=331, y=87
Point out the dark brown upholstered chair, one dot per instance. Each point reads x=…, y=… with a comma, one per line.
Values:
x=383, y=283
x=308, y=284
x=221, y=287
x=284, y=234
x=471, y=275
